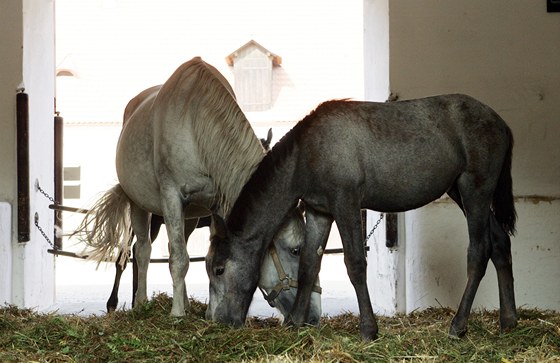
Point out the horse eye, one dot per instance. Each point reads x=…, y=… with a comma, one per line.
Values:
x=219, y=271
x=295, y=251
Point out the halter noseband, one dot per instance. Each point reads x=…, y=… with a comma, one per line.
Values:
x=285, y=282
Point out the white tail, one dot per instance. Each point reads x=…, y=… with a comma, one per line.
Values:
x=106, y=228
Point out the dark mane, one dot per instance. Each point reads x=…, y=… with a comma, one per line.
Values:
x=257, y=185
x=260, y=181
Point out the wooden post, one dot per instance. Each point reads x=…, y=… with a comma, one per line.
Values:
x=22, y=120
x=58, y=176
x=391, y=230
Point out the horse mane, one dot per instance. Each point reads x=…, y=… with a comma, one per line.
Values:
x=226, y=143
x=275, y=159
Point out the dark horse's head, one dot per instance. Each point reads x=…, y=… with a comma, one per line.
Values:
x=277, y=275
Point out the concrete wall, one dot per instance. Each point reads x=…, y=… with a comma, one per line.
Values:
x=27, y=59
x=506, y=54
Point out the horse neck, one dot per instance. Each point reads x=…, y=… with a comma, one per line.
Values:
x=267, y=198
x=233, y=162
x=226, y=142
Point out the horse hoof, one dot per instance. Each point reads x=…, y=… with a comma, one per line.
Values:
x=369, y=333
x=369, y=336
x=293, y=323
x=457, y=333
x=313, y=322
x=111, y=305
x=175, y=315
x=508, y=324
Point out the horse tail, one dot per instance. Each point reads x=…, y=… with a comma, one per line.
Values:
x=106, y=229
x=503, y=204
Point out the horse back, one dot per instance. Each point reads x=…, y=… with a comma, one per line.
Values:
x=387, y=151
x=191, y=137
x=147, y=95
x=135, y=149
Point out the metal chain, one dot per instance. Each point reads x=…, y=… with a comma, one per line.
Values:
x=374, y=227
x=45, y=194
x=56, y=203
x=43, y=232
x=45, y=236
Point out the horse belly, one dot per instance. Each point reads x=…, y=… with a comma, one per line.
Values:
x=135, y=167
x=409, y=185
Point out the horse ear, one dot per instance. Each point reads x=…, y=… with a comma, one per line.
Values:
x=266, y=143
x=219, y=226
x=269, y=136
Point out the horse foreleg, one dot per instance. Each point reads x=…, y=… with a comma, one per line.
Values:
x=501, y=258
x=178, y=256
x=142, y=251
x=317, y=229
x=349, y=225
x=190, y=226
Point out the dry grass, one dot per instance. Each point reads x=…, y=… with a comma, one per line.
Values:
x=149, y=334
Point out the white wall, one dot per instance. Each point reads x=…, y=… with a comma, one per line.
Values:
x=27, y=58
x=506, y=54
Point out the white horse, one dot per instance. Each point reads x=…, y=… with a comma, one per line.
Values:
x=186, y=151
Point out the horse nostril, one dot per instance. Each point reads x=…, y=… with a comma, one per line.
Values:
x=219, y=271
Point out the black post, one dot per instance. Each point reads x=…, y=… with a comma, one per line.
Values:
x=58, y=176
x=22, y=120
x=391, y=230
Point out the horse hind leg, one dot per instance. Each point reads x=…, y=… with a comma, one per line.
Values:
x=475, y=202
x=113, y=300
x=501, y=258
x=155, y=225
x=142, y=251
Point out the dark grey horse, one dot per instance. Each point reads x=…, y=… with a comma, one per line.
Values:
x=389, y=157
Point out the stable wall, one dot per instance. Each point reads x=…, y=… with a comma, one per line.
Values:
x=505, y=54
x=26, y=60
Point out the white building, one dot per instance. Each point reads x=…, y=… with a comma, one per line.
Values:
x=502, y=53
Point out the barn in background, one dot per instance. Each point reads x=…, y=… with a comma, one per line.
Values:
x=505, y=54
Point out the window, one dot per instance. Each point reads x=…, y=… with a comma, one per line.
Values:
x=72, y=182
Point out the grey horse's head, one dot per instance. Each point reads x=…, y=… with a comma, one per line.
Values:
x=277, y=279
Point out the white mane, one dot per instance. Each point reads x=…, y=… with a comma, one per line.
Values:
x=227, y=145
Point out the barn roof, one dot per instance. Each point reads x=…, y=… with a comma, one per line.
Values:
x=276, y=59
